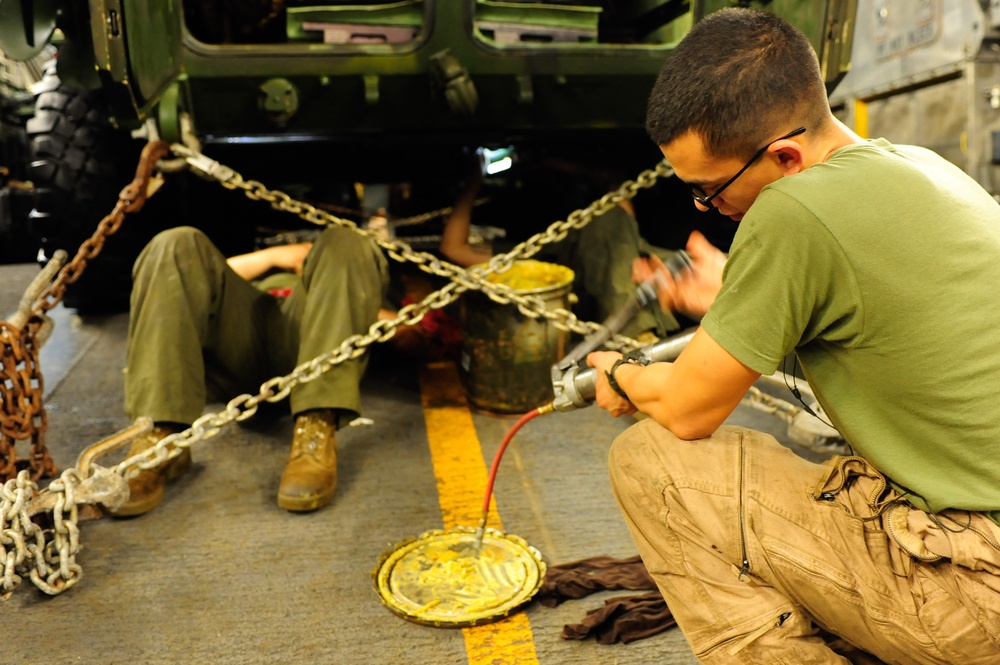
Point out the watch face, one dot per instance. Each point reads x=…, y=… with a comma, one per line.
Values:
x=638, y=357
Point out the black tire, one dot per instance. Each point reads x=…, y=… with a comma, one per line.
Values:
x=79, y=163
x=18, y=240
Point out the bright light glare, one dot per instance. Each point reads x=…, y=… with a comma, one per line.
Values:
x=495, y=160
x=499, y=165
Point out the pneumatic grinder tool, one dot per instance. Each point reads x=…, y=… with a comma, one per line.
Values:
x=575, y=386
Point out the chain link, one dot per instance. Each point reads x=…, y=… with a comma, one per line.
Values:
x=130, y=200
x=48, y=555
x=245, y=406
x=460, y=279
x=779, y=408
x=45, y=555
x=23, y=415
x=399, y=222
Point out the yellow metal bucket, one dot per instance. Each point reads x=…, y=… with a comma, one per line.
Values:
x=506, y=357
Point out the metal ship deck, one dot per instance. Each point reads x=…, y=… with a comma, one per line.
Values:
x=219, y=574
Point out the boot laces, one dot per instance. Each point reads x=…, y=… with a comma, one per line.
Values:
x=312, y=436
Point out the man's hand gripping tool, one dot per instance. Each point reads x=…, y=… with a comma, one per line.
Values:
x=575, y=386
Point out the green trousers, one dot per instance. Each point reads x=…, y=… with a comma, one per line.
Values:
x=199, y=333
x=601, y=255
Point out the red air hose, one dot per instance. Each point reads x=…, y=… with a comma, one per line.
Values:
x=548, y=408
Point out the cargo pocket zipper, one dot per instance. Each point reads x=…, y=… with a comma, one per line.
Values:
x=747, y=640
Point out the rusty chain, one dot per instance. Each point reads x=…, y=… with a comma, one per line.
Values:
x=23, y=416
x=45, y=550
x=131, y=199
x=47, y=554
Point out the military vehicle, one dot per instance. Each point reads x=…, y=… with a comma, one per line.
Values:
x=311, y=96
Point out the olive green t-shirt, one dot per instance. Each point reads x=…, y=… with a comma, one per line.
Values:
x=880, y=269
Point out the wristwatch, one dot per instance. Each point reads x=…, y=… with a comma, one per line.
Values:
x=633, y=357
x=637, y=357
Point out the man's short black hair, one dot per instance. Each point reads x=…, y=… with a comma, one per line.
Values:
x=738, y=79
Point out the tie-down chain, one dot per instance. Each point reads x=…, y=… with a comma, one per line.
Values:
x=45, y=549
x=47, y=553
x=23, y=416
x=460, y=279
x=39, y=536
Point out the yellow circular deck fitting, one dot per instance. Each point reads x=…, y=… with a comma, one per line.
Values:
x=440, y=579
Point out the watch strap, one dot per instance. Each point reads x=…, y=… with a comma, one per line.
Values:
x=611, y=377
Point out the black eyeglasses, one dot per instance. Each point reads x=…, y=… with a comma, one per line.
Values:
x=701, y=197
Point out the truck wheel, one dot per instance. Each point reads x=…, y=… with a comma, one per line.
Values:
x=78, y=164
x=18, y=241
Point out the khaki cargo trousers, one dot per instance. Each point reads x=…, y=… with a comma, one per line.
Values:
x=198, y=332
x=764, y=557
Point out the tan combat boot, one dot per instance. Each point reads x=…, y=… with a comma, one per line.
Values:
x=146, y=489
x=310, y=476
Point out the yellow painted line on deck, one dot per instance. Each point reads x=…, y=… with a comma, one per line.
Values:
x=462, y=475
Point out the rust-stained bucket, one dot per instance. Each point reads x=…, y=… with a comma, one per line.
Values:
x=507, y=357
